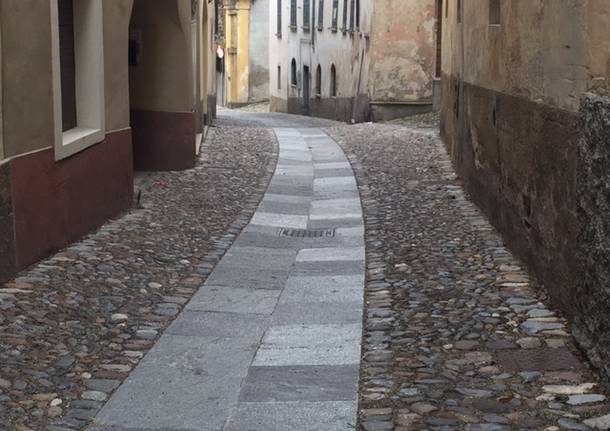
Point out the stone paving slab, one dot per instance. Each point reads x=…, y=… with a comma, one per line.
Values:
x=219, y=324
x=184, y=382
x=253, y=278
x=300, y=383
x=330, y=344
x=316, y=313
x=301, y=416
x=338, y=288
x=331, y=255
x=234, y=300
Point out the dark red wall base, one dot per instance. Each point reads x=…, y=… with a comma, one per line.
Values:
x=7, y=232
x=55, y=203
x=163, y=141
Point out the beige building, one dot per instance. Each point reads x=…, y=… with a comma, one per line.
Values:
x=525, y=115
x=353, y=60
x=88, y=90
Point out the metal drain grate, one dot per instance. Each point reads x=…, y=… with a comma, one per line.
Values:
x=306, y=233
x=513, y=361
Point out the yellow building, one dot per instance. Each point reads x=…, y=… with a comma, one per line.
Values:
x=246, y=58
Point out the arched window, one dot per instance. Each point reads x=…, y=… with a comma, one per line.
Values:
x=319, y=80
x=333, y=81
x=293, y=73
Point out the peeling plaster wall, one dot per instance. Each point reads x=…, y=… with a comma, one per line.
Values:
x=403, y=50
x=539, y=51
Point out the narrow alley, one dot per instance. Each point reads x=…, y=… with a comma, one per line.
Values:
x=307, y=284
x=304, y=215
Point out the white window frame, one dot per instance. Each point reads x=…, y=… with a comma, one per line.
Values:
x=89, y=62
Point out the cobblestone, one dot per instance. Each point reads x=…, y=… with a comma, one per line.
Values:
x=457, y=336
x=74, y=326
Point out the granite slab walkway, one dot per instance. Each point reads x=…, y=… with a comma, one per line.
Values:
x=272, y=340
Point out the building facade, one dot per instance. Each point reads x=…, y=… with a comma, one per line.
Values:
x=375, y=59
x=525, y=114
x=90, y=89
x=319, y=57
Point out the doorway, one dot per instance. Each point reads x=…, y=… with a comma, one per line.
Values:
x=306, y=89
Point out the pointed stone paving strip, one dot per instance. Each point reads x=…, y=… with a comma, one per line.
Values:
x=272, y=340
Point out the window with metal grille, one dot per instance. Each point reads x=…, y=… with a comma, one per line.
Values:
x=279, y=77
x=293, y=14
x=279, y=18
x=319, y=80
x=495, y=16
x=335, y=15
x=459, y=11
x=333, y=81
x=306, y=14
x=321, y=15
x=345, y=11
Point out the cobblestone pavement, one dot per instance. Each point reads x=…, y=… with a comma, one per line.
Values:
x=456, y=337
x=271, y=341
x=74, y=326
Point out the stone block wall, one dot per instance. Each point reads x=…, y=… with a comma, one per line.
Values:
x=592, y=322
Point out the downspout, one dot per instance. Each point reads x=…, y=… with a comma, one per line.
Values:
x=355, y=99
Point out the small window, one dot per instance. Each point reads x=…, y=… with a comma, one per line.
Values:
x=459, y=11
x=352, y=10
x=333, y=81
x=319, y=81
x=279, y=77
x=293, y=14
x=321, y=15
x=345, y=11
x=357, y=14
x=446, y=8
x=306, y=14
x=67, y=63
x=335, y=17
x=293, y=73
x=278, y=32
x=494, y=12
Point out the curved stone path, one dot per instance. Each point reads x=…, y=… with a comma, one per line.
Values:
x=272, y=339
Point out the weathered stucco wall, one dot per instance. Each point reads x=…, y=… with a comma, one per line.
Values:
x=259, y=51
x=26, y=57
x=403, y=50
x=537, y=52
x=163, y=79
x=117, y=14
